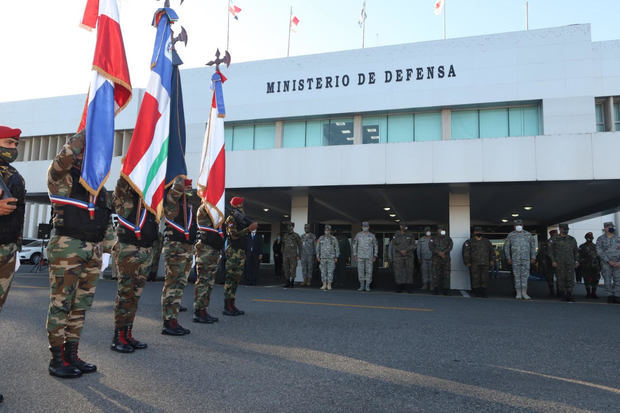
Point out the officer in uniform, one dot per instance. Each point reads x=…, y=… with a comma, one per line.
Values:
x=544, y=261
x=520, y=251
x=479, y=257
x=12, y=209
x=81, y=224
x=608, y=249
x=564, y=256
x=180, y=235
x=441, y=245
x=308, y=241
x=365, y=252
x=136, y=232
x=238, y=226
x=327, y=253
x=425, y=258
x=403, y=246
x=291, y=250
x=589, y=266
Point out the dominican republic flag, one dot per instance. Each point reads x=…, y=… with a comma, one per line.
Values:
x=109, y=92
x=212, y=177
x=234, y=10
x=145, y=164
x=294, y=24
x=176, y=143
x=363, y=14
x=438, y=7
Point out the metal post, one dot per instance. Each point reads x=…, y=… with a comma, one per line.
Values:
x=228, y=26
x=288, y=47
x=527, y=16
x=444, y=19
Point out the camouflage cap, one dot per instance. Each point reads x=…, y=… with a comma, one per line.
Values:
x=427, y=229
x=563, y=226
x=327, y=226
x=477, y=229
x=441, y=226
x=518, y=222
x=402, y=224
x=609, y=225
x=589, y=235
x=365, y=224
x=553, y=232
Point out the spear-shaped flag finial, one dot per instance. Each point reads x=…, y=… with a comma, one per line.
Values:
x=217, y=61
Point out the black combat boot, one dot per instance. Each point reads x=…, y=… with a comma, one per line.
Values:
x=239, y=312
x=399, y=288
x=483, y=293
x=201, y=316
x=593, y=295
x=569, y=297
x=120, y=343
x=446, y=291
x=61, y=368
x=551, y=293
x=292, y=283
x=137, y=345
x=588, y=293
x=182, y=309
x=171, y=328
x=210, y=317
x=611, y=299
x=435, y=291
x=1, y=398
x=228, y=308
x=71, y=357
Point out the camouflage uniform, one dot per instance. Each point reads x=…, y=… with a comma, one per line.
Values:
x=327, y=251
x=425, y=257
x=608, y=249
x=365, y=251
x=235, y=254
x=441, y=265
x=520, y=248
x=74, y=251
x=291, y=251
x=544, y=262
x=403, y=264
x=207, y=263
x=478, y=255
x=564, y=252
x=589, y=265
x=308, y=241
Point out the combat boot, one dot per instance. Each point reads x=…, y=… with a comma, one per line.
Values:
x=201, y=316
x=1, y=398
x=228, y=309
x=551, y=293
x=171, y=328
x=593, y=295
x=324, y=286
x=569, y=297
x=59, y=367
x=71, y=357
x=292, y=283
x=182, y=309
x=588, y=293
x=483, y=293
x=519, y=294
x=120, y=343
x=239, y=312
x=137, y=345
x=361, y=286
x=329, y=286
x=524, y=295
x=610, y=299
x=435, y=291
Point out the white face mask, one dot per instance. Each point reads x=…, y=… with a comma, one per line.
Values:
x=365, y=229
x=254, y=232
x=428, y=233
x=519, y=228
x=442, y=232
x=326, y=232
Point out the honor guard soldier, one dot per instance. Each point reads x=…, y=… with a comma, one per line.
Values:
x=238, y=226
x=425, y=258
x=403, y=248
x=479, y=257
x=136, y=231
x=520, y=251
x=291, y=251
x=308, y=241
x=441, y=245
x=608, y=249
x=564, y=256
x=82, y=223
x=589, y=266
x=180, y=235
x=365, y=251
x=327, y=253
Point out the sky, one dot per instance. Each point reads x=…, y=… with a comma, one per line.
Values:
x=47, y=54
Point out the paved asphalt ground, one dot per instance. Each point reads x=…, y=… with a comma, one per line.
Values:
x=306, y=350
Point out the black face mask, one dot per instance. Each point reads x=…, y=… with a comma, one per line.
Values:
x=8, y=155
x=611, y=230
x=589, y=239
x=477, y=235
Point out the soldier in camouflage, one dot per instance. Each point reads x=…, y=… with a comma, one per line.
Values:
x=238, y=226
x=403, y=247
x=82, y=231
x=564, y=256
x=291, y=251
x=520, y=251
x=308, y=241
x=441, y=245
x=543, y=259
x=589, y=266
x=479, y=257
x=327, y=253
x=365, y=251
x=136, y=232
x=608, y=249
x=180, y=235
x=425, y=258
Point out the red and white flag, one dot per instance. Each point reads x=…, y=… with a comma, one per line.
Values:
x=234, y=10
x=438, y=7
x=294, y=23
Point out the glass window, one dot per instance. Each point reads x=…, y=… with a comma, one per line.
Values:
x=374, y=129
x=265, y=136
x=493, y=123
x=530, y=121
x=427, y=126
x=294, y=134
x=243, y=138
x=464, y=124
x=339, y=131
x=617, y=115
x=315, y=135
x=400, y=128
x=228, y=137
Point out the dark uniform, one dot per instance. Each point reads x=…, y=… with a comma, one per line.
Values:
x=208, y=254
x=478, y=255
x=403, y=248
x=441, y=245
x=291, y=250
x=565, y=257
x=589, y=265
x=543, y=260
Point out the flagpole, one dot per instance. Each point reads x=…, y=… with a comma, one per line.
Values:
x=444, y=19
x=290, y=17
x=527, y=16
x=228, y=26
x=363, y=28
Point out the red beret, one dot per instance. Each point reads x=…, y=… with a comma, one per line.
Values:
x=236, y=201
x=6, y=132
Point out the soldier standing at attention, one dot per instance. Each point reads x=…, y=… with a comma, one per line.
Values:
x=564, y=256
x=81, y=223
x=365, y=251
x=479, y=257
x=608, y=249
x=441, y=245
x=403, y=246
x=12, y=210
x=136, y=232
x=291, y=250
x=544, y=261
x=327, y=253
x=425, y=257
x=520, y=250
x=238, y=226
x=308, y=241
x=589, y=265
x=180, y=235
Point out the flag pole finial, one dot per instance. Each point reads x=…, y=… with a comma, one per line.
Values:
x=217, y=61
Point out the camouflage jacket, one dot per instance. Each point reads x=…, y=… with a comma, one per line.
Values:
x=238, y=236
x=365, y=245
x=478, y=251
x=12, y=225
x=402, y=242
x=307, y=244
x=173, y=210
x=588, y=258
x=608, y=248
x=423, y=249
x=441, y=243
x=291, y=244
x=563, y=250
x=327, y=247
x=520, y=246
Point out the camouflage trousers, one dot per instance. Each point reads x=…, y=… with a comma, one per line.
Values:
x=74, y=268
x=133, y=264
x=426, y=268
x=327, y=266
x=235, y=262
x=207, y=262
x=8, y=255
x=521, y=272
x=566, y=277
x=441, y=273
x=290, y=267
x=364, y=270
x=403, y=269
x=307, y=265
x=178, y=263
x=611, y=277
x=479, y=275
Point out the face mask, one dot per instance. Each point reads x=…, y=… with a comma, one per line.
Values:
x=278, y=239
x=8, y=155
x=326, y=232
x=307, y=230
x=563, y=232
x=477, y=235
x=428, y=233
x=365, y=229
x=254, y=232
x=589, y=239
x=519, y=228
x=611, y=230
x=442, y=232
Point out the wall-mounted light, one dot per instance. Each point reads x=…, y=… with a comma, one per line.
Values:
x=386, y=208
x=528, y=208
x=504, y=220
x=266, y=209
x=515, y=215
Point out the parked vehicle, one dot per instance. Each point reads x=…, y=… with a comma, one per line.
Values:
x=31, y=252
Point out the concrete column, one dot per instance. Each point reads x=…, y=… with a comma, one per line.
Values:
x=299, y=216
x=279, y=131
x=459, y=232
x=608, y=114
x=616, y=220
x=446, y=125
x=358, y=137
